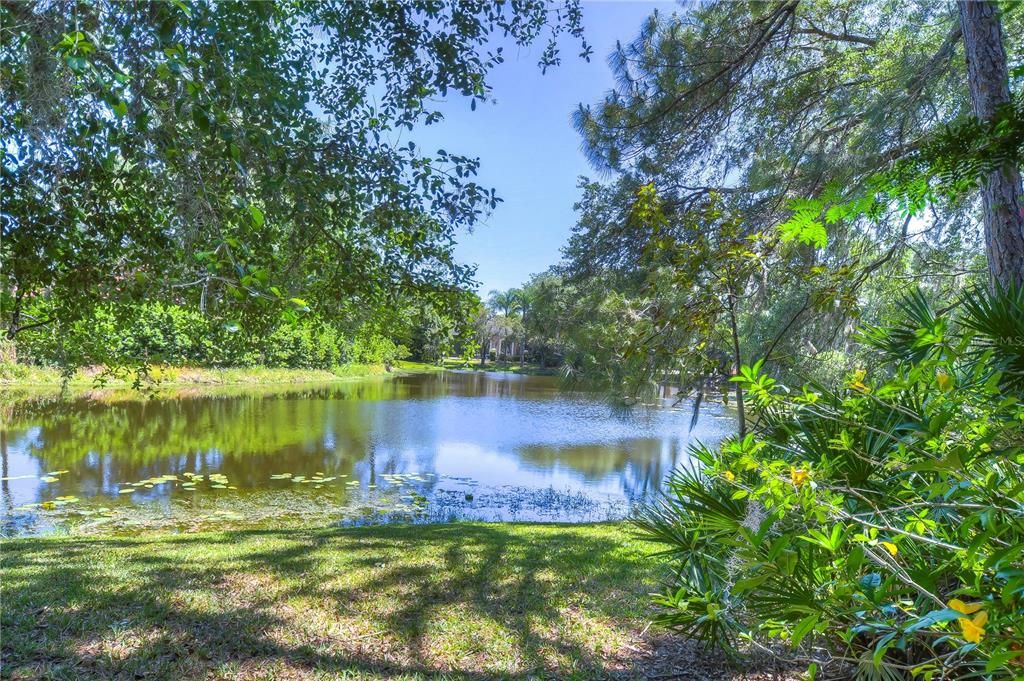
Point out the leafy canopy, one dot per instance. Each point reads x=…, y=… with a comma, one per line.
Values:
x=241, y=157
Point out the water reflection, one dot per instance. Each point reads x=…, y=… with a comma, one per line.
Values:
x=469, y=434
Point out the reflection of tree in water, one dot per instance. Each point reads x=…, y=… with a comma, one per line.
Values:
x=249, y=434
x=107, y=440
x=640, y=464
x=5, y=472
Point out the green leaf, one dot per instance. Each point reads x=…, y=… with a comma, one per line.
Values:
x=76, y=63
x=201, y=118
x=1000, y=658
x=881, y=648
x=805, y=627
x=810, y=232
x=871, y=581
x=932, y=618
x=256, y=214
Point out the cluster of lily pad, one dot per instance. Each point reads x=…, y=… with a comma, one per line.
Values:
x=408, y=500
x=399, y=499
x=404, y=478
x=318, y=480
x=51, y=504
x=190, y=482
x=52, y=476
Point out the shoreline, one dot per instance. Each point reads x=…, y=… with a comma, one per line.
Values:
x=500, y=367
x=22, y=376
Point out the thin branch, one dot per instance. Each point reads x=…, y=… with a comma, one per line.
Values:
x=843, y=37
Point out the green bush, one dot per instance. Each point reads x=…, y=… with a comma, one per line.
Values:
x=160, y=333
x=302, y=346
x=168, y=334
x=370, y=348
x=875, y=526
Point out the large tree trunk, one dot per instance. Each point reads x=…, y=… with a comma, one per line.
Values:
x=988, y=78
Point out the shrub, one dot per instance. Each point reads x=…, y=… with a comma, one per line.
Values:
x=372, y=348
x=875, y=525
x=168, y=333
x=176, y=335
x=304, y=345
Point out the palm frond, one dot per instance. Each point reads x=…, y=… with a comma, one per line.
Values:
x=919, y=335
x=997, y=318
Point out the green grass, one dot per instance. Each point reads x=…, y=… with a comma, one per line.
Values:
x=499, y=365
x=460, y=600
x=22, y=375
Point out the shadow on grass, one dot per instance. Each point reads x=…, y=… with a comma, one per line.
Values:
x=452, y=601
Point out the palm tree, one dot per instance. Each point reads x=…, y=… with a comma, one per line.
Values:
x=506, y=302
x=525, y=297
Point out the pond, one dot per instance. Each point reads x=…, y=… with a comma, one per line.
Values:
x=422, y=448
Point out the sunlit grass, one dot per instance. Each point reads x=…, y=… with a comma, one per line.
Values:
x=164, y=375
x=377, y=602
x=506, y=366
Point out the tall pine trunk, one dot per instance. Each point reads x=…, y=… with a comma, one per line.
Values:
x=737, y=358
x=988, y=78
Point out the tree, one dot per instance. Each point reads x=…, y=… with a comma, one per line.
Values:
x=506, y=302
x=988, y=78
x=526, y=296
x=239, y=157
x=764, y=104
x=435, y=333
x=548, y=307
x=485, y=325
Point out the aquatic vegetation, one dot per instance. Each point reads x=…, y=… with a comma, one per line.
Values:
x=348, y=504
x=302, y=457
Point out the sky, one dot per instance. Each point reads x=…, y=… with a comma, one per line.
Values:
x=527, y=146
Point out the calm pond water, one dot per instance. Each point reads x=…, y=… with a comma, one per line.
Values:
x=428, y=447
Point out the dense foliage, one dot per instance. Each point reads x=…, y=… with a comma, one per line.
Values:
x=179, y=336
x=835, y=147
x=878, y=522
x=241, y=159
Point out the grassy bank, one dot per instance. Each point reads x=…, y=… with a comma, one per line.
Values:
x=459, y=600
x=21, y=375
x=501, y=366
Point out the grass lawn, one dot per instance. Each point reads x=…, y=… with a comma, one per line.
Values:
x=457, y=601
x=16, y=375
x=440, y=601
x=507, y=366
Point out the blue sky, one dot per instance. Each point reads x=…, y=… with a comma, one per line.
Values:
x=527, y=147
